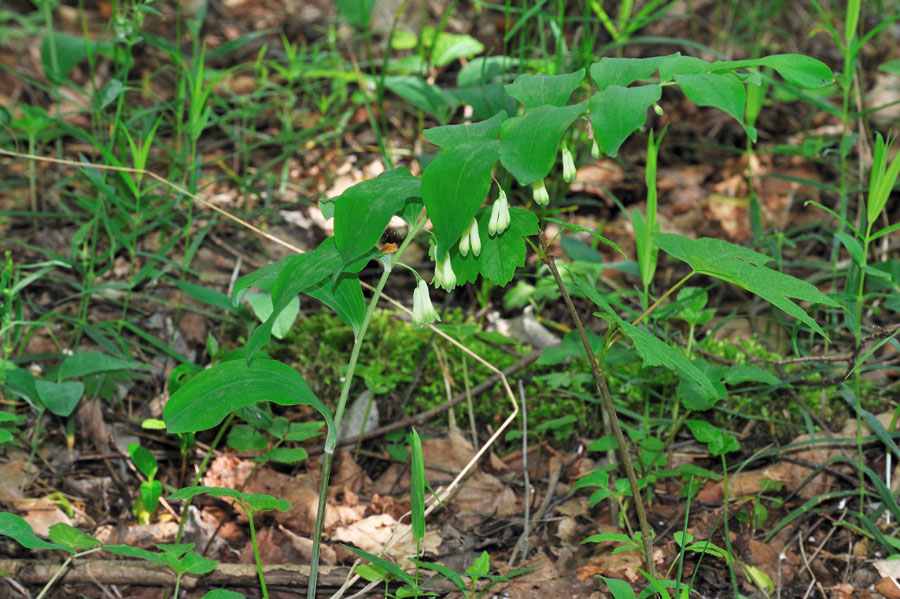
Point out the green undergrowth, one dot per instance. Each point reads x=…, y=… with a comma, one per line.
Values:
x=562, y=402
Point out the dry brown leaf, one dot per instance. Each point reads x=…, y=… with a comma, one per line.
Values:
x=42, y=513
x=372, y=534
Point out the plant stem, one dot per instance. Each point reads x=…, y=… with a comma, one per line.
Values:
x=328, y=456
x=600, y=380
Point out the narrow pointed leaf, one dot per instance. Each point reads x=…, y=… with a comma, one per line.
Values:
x=746, y=268
x=20, y=531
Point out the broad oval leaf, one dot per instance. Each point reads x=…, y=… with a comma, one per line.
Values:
x=59, y=398
x=90, y=362
x=800, y=70
x=20, y=531
x=68, y=535
x=528, y=143
x=427, y=97
x=720, y=90
x=616, y=112
x=545, y=90
x=453, y=187
x=362, y=212
x=205, y=400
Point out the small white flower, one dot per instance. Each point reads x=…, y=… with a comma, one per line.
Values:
x=443, y=274
x=595, y=150
x=423, y=311
x=499, y=215
x=541, y=196
x=464, y=244
x=569, y=171
x=658, y=109
x=474, y=238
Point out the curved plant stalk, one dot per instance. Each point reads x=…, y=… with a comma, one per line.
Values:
x=600, y=380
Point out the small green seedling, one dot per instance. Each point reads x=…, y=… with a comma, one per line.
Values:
x=147, y=503
x=250, y=503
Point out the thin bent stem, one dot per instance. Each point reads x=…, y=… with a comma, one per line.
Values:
x=600, y=380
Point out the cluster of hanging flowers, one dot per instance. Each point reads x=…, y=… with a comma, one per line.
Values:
x=423, y=311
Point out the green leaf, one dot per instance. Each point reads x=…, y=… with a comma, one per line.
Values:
x=571, y=346
x=20, y=531
x=425, y=96
x=214, y=298
x=296, y=274
x=543, y=90
x=486, y=99
x=91, y=362
x=680, y=65
x=362, y=212
x=261, y=303
x=450, y=134
x=450, y=47
x=71, y=537
x=205, y=400
x=59, y=398
x=256, y=502
x=453, y=187
x=619, y=588
x=481, y=566
x=723, y=91
x=749, y=373
x=444, y=571
x=222, y=594
x=528, y=143
x=718, y=441
x=385, y=565
x=625, y=71
x=652, y=350
x=417, y=486
x=285, y=455
x=370, y=573
x=70, y=50
x=745, y=268
x=245, y=438
x=616, y=112
x=597, y=478
x=358, y=12
x=500, y=254
x=797, y=69
x=143, y=459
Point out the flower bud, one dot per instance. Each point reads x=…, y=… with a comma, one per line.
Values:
x=540, y=194
x=657, y=109
x=474, y=238
x=595, y=150
x=464, y=244
x=568, y=162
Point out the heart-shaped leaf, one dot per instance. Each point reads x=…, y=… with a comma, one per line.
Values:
x=528, y=143
x=616, y=112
